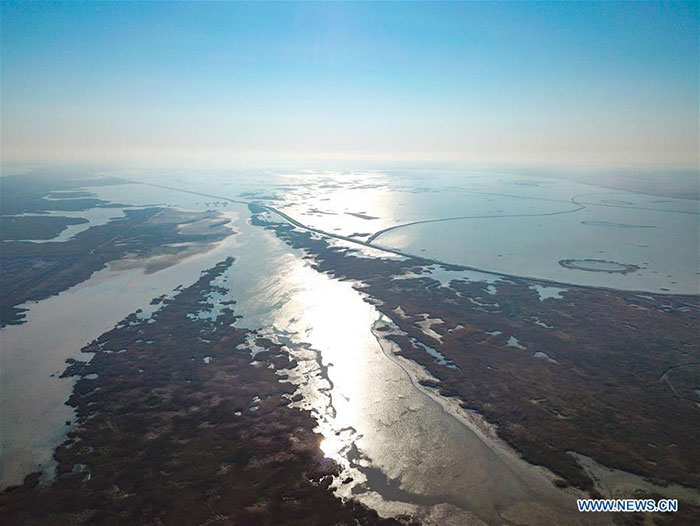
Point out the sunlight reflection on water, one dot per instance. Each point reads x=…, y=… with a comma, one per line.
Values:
x=404, y=449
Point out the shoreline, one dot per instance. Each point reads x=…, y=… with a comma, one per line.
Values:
x=138, y=294
x=290, y=220
x=333, y=261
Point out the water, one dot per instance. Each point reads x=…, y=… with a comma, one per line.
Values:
x=33, y=354
x=667, y=255
x=497, y=222
x=407, y=449
x=94, y=216
x=544, y=293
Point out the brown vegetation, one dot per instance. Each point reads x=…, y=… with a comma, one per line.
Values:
x=616, y=388
x=164, y=436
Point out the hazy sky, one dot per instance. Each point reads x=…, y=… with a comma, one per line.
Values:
x=194, y=82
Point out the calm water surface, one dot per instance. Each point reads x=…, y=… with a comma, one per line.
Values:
x=406, y=449
x=497, y=222
x=34, y=414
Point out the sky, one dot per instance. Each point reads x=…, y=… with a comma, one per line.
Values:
x=206, y=82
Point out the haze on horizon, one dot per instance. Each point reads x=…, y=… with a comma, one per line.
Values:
x=573, y=83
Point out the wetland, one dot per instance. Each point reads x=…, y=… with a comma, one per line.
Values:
x=251, y=335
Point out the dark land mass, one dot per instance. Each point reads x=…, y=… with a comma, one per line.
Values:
x=26, y=193
x=158, y=439
x=35, y=227
x=35, y=271
x=164, y=436
x=69, y=194
x=361, y=215
x=621, y=389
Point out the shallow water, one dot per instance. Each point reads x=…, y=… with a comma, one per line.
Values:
x=95, y=217
x=544, y=293
x=498, y=222
x=404, y=447
x=667, y=255
x=407, y=449
x=34, y=414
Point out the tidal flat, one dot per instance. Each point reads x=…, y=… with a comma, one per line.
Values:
x=418, y=380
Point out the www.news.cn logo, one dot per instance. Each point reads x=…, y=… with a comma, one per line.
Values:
x=628, y=505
